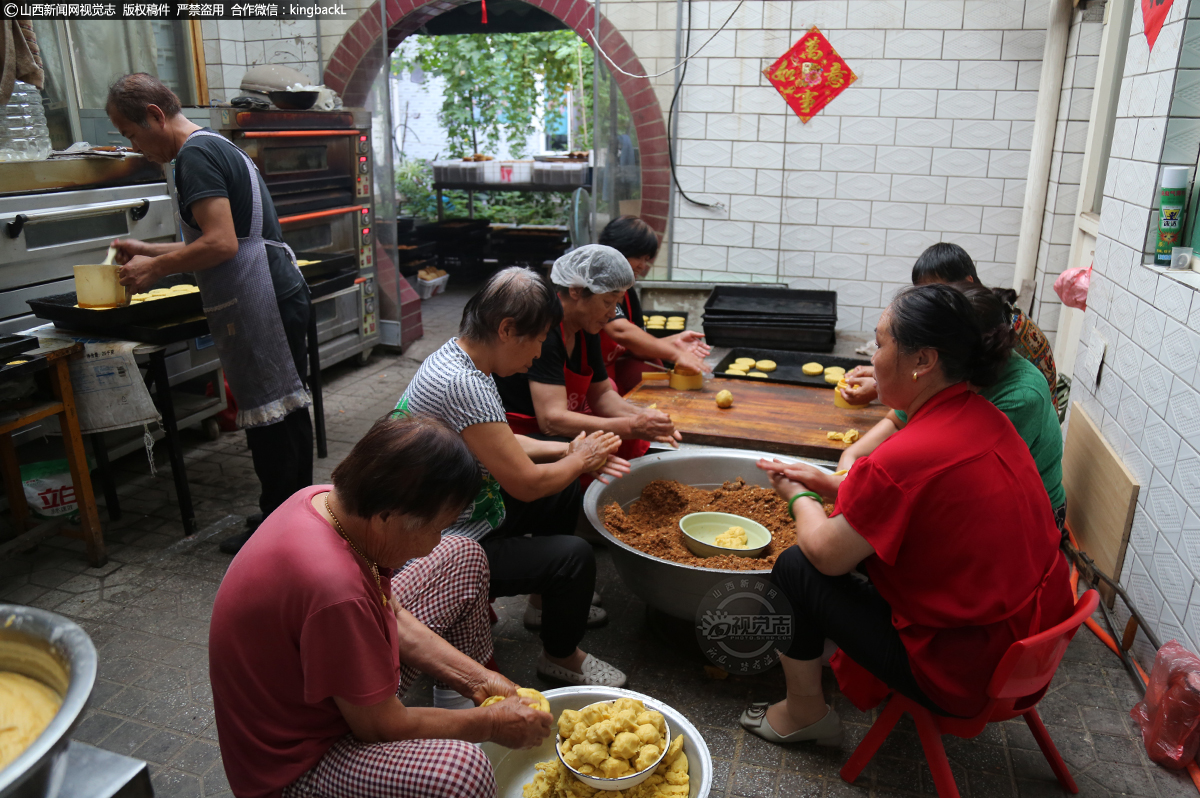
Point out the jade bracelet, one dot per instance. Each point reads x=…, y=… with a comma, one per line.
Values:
x=810, y=494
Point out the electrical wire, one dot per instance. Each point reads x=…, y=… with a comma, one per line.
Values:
x=1108, y=640
x=687, y=46
x=682, y=62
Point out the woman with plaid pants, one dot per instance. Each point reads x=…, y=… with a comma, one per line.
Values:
x=314, y=639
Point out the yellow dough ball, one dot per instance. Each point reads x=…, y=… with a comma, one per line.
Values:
x=745, y=362
x=765, y=365
x=812, y=369
x=531, y=697
x=724, y=399
x=756, y=374
x=736, y=372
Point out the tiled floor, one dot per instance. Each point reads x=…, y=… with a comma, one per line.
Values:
x=148, y=610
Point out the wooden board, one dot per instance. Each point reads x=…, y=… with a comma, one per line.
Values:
x=1101, y=493
x=786, y=419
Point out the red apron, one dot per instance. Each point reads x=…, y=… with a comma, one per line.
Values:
x=577, y=385
x=610, y=349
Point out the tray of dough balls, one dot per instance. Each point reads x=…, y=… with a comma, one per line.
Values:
x=795, y=368
x=170, y=299
x=661, y=323
x=607, y=739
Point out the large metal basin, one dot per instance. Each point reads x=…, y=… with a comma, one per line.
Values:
x=672, y=587
x=55, y=651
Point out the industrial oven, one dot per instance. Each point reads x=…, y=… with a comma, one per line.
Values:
x=65, y=211
x=318, y=168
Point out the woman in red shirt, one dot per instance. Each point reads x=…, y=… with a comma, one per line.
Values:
x=314, y=640
x=949, y=518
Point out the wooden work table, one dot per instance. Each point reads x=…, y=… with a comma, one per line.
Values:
x=772, y=417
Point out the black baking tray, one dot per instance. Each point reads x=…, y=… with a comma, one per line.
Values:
x=785, y=321
x=668, y=314
x=326, y=264
x=11, y=345
x=32, y=364
x=792, y=339
x=787, y=365
x=748, y=300
x=332, y=283
x=60, y=309
x=416, y=251
x=166, y=332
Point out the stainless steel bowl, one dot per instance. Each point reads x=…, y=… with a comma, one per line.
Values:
x=514, y=769
x=672, y=587
x=55, y=651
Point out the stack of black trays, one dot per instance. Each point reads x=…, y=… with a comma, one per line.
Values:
x=461, y=243
x=528, y=246
x=415, y=255
x=773, y=318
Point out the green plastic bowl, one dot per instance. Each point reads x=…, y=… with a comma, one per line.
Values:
x=701, y=529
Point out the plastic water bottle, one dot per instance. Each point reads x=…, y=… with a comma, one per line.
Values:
x=24, y=135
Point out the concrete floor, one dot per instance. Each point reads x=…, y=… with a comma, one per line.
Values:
x=148, y=610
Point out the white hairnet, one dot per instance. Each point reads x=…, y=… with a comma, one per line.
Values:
x=600, y=269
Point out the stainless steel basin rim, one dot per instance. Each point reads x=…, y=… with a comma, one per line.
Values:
x=38, y=771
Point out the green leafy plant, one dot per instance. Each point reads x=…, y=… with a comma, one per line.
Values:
x=494, y=84
x=414, y=188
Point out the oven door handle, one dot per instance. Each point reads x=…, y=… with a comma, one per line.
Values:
x=137, y=209
x=304, y=217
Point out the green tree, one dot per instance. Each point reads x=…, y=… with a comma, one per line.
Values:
x=494, y=82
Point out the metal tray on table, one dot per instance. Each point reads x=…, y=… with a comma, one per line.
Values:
x=746, y=334
x=751, y=301
x=32, y=363
x=11, y=345
x=61, y=309
x=787, y=365
x=668, y=313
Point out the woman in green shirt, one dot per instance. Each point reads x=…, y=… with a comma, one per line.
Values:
x=1021, y=394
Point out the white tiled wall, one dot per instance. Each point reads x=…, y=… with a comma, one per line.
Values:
x=1148, y=401
x=1062, y=196
x=233, y=46
x=931, y=143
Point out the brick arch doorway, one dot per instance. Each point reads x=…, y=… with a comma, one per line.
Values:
x=356, y=62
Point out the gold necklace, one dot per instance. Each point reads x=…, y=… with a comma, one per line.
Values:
x=374, y=568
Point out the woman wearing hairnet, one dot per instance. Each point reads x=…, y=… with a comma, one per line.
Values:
x=567, y=391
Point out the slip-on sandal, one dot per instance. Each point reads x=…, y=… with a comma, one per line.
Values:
x=595, y=672
x=827, y=731
x=533, y=617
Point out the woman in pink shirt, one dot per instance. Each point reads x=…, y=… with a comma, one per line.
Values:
x=315, y=639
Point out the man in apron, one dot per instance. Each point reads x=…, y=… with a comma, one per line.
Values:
x=255, y=298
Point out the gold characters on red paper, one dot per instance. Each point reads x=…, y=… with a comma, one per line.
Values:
x=810, y=74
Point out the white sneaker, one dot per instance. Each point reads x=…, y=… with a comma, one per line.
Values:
x=533, y=617
x=596, y=672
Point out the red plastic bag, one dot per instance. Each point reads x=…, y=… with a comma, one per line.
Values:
x=1072, y=287
x=1169, y=715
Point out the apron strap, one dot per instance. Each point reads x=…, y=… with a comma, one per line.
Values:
x=256, y=217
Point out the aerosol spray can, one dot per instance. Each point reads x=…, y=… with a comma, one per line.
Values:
x=1172, y=201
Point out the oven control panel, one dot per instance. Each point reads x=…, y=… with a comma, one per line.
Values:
x=362, y=157
x=369, y=317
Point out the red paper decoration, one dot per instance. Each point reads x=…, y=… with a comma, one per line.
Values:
x=1154, y=14
x=811, y=74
